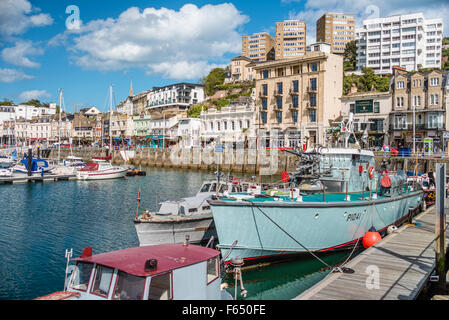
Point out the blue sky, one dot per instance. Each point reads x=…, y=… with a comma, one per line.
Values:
x=152, y=43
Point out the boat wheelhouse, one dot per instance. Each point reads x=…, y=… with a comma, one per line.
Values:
x=164, y=272
x=183, y=217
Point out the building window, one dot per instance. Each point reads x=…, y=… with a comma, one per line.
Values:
x=265, y=74
x=264, y=104
x=400, y=85
x=435, y=121
x=399, y=101
x=264, y=118
x=313, y=84
x=313, y=99
x=295, y=116
x=352, y=108
x=295, y=101
x=295, y=86
x=312, y=115
x=265, y=89
x=400, y=122
x=434, y=81
x=376, y=107
x=279, y=86
x=313, y=67
x=279, y=102
x=279, y=117
x=434, y=99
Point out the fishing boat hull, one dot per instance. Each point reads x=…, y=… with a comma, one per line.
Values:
x=267, y=230
x=174, y=229
x=101, y=175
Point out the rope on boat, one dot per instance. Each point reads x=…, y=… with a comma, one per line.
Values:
x=283, y=230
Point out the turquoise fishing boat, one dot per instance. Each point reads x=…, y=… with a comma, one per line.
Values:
x=277, y=223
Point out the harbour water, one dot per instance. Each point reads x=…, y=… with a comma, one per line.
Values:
x=40, y=221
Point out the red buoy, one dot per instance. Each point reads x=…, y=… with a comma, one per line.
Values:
x=386, y=182
x=285, y=177
x=371, y=238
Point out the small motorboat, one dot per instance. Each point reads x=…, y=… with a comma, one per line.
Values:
x=38, y=166
x=132, y=172
x=162, y=272
x=5, y=173
x=100, y=170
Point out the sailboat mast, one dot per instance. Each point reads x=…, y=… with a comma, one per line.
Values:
x=110, y=119
x=59, y=126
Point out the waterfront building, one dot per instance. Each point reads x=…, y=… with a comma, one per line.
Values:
x=410, y=41
x=164, y=129
x=319, y=46
x=122, y=126
x=62, y=128
x=371, y=110
x=7, y=113
x=337, y=29
x=189, y=130
x=229, y=124
x=290, y=39
x=298, y=98
x=175, y=98
x=141, y=126
x=241, y=70
x=83, y=128
x=419, y=104
x=259, y=46
x=29, y=112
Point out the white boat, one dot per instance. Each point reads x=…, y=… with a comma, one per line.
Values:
x=5, y=173
x=100, y=170
x=179, y=218
x=165, y=272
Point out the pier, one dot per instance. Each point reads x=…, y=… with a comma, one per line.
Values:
x=397, y=268
x=36, y=179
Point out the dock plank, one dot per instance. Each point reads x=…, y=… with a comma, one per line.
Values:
x=405, y=260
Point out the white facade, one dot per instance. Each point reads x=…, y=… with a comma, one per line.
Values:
x=189, y=130
x=410, y=41
x=7, y=113
x=181, y=95
x=229, y=124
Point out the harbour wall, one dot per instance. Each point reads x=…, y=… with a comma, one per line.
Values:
x=247, y=161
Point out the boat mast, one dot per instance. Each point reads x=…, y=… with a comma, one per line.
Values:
x=59, y=134
x=110, y=120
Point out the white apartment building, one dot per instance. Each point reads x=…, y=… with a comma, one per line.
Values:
x=176, y=97
x=410, y=41
x=230, y=124
x=189, y=130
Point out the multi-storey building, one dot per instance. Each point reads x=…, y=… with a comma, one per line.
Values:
x=258, y=46
x=419, y=108
x=410, y=41
x=241, y=70
x=371, y=111
x=176, y=97
x=337, y=29
x=229, y=124
x=141, y=126
x=83, y=127
x=298, y=98
x=290, y=39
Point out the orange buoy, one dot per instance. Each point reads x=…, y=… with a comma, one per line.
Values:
x=371, y=238
x=386, y=182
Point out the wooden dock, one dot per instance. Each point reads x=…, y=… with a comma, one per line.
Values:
x=397, y=268
x=36, y=179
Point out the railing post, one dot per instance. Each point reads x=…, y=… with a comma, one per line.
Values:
x=440, y=224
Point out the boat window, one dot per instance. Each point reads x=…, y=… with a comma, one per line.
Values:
x=161, y=287
x=181, y=211
x=205, y=188
x=193, y=210
x=214, y=187
x=81, y=276
x=206, y=208
x=212, y=270
x=128, y=287
x=102, y=281
x=222, y=188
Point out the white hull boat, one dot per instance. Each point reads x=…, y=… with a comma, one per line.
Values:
x=100, y=170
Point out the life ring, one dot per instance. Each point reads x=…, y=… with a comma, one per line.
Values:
x=371, y=172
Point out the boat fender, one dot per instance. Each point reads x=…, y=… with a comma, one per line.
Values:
x=386, y=182
x=392, y=229
x=371, y=172
x=371, y=238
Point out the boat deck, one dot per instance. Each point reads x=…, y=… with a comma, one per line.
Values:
x=403, y=261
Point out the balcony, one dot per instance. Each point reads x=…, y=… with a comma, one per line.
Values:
x=278, y=93
x=418, y=127
x=312, y=89
x=310, y=106
x=293, y=107
x=294, y=92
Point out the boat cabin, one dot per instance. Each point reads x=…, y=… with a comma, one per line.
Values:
x=160, y=272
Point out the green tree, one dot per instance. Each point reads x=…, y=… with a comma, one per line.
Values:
x=366, y=81
x=33, y=102
x=195, y=111
x=6, y=102
x=215, y=77
x=350, y=56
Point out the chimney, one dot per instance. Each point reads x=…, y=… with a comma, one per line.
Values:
x=131, y=90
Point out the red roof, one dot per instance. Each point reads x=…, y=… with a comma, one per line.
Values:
x=168, y=256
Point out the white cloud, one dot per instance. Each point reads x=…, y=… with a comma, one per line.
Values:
x=176, y=44
x=17, y=55
x=34, y=94
x=314, y=9
x=15, y=17
x=12, y=75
